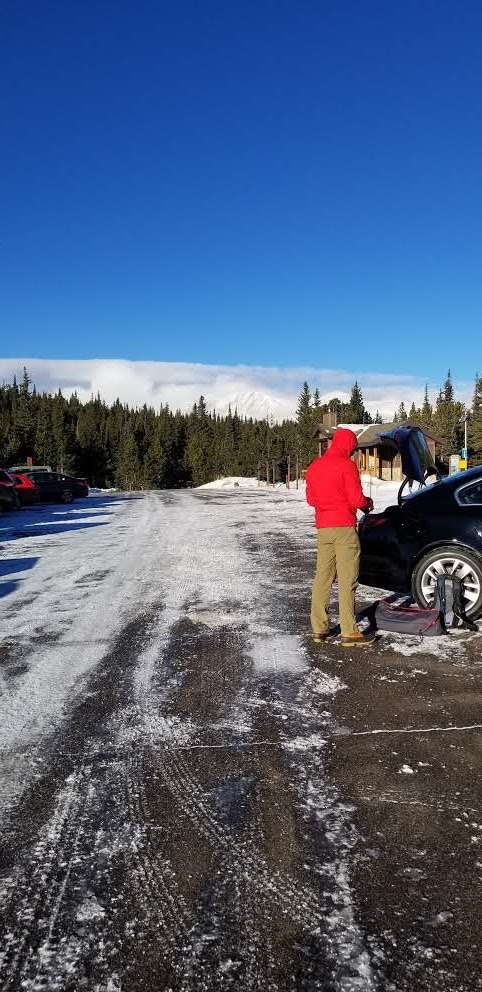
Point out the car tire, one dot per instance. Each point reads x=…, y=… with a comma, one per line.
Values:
x=468, y=566
x=67, y=496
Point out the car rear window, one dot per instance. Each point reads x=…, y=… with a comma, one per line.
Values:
x=471, y=495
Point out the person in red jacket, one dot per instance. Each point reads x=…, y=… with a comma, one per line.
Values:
x=333, y=487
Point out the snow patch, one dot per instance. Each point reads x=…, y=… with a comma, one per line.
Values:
x=278, y=653
x=306, y=743
x=444, y=646
x=90, y=910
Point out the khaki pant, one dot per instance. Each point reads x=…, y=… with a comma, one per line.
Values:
x=338, y=554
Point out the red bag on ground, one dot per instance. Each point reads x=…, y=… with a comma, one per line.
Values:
x=409, y=620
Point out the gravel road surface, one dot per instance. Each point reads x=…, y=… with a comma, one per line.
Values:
x=196, y=798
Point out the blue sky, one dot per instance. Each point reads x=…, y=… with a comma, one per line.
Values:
x=266, y=183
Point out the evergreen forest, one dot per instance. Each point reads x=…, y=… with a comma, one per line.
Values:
x=146, y=448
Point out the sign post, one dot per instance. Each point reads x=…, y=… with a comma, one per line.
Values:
x=464, y=454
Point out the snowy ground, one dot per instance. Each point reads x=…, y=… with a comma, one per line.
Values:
x=383, y=493
x=193, y=796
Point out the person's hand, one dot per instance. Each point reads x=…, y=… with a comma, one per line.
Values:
x=369, y=505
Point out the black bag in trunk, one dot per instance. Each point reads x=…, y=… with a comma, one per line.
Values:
x=409, y=620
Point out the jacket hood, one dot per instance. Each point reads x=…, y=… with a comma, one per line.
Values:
x=344, y=443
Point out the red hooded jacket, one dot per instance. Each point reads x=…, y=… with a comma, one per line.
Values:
x=333, y=484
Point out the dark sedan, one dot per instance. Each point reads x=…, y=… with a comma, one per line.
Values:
x=53, y=488
x=79, y=487
x=437, y=529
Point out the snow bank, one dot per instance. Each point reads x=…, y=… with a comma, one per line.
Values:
x=95, y=491
x=233, y=482
x=383, y=493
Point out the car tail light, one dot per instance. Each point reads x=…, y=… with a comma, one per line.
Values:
x=374, y=521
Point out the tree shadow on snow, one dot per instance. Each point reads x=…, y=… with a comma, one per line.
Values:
x=50, y=519
x=13, y=566
x=10, y=565
x=7, y=587
x=42, y=530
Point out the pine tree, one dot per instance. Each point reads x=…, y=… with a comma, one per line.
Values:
x=43, y=434
x=304, y=419
x=448, y=389
x=448, y=420
x=401, y=413
x=475, y=423
x=200, y=458
x=426, y=415
x=154, y=468
x=355, y=412
x=128, y=473
x=58, y=433
x=24, y=420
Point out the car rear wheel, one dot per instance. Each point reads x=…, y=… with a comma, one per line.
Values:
x=67, y=496
x=463, y=564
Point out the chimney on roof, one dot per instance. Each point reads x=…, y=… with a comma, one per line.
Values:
x=330, y=419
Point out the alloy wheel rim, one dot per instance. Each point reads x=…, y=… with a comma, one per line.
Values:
x=451, y=565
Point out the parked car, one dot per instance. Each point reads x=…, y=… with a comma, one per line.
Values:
x=437, y=529
x=52, y=487
x=27, y=490
x=80, y=487
x=8, y=493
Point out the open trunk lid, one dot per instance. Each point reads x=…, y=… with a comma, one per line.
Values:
x=411, y=443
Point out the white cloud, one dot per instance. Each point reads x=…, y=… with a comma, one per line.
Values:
x=254, y=390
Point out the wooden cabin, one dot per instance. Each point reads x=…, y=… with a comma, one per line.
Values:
x=373, y=457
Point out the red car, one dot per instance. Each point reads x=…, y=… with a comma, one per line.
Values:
x=27, y=491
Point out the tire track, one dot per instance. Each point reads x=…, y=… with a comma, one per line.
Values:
x=179, y=926
x=297, y=902
x=253, y=914
x=294, y=901
x=154, y=879
x=41, y=892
